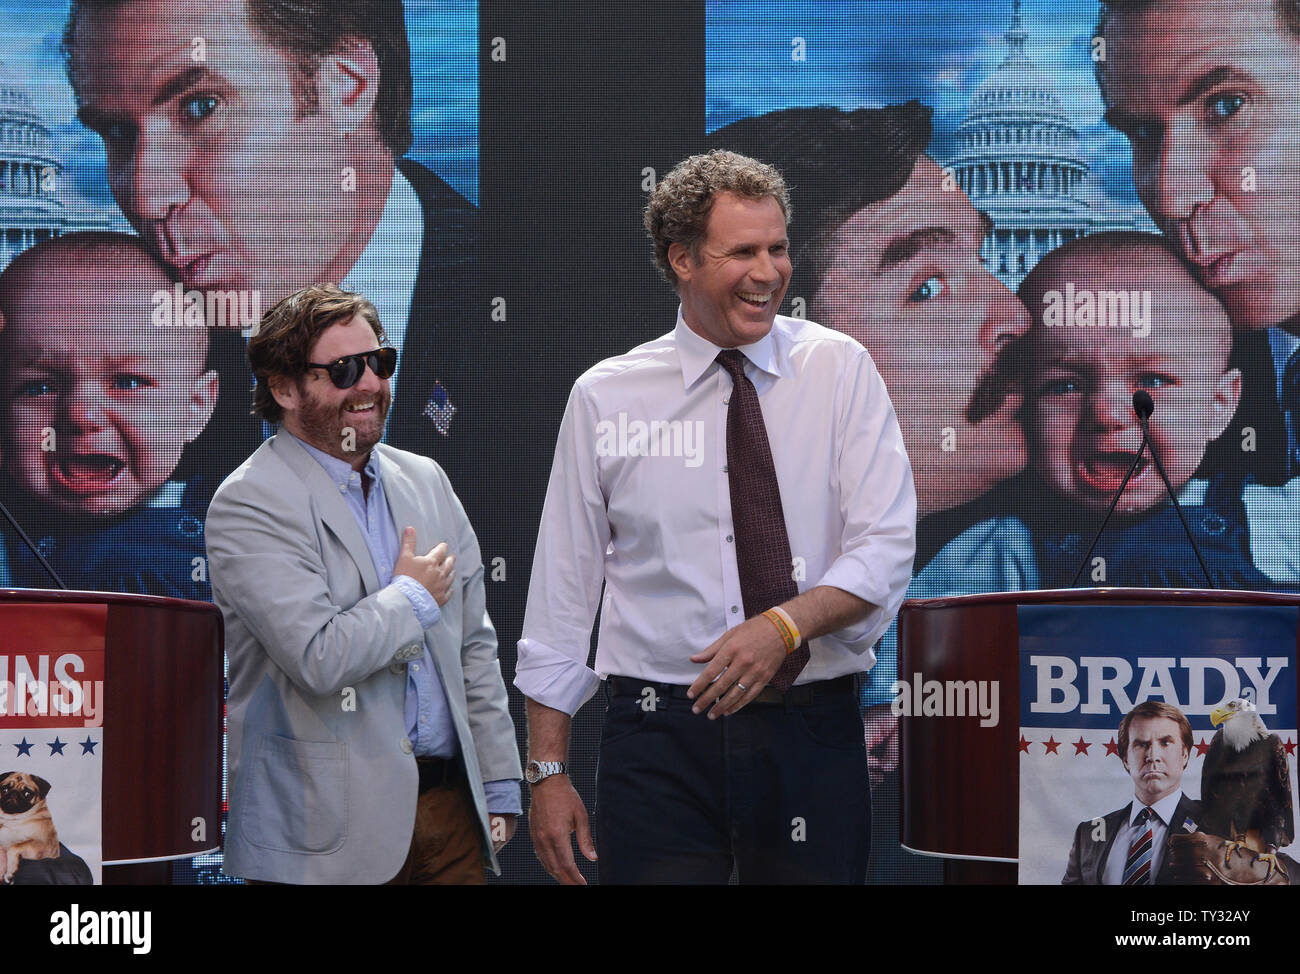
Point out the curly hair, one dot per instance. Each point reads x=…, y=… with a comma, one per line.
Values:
x=680, y=205
x=838, y=162
x=282, y=343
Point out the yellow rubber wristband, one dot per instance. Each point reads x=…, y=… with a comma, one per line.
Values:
x=787, y=636
x=794, y=630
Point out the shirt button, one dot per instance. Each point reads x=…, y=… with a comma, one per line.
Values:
x=415, y=667
x=728, y=539
x=724, y=469
x=735, y=608
x=726, y=402
x=406, y=745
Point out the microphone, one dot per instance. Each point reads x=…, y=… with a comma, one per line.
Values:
x=1143, y=407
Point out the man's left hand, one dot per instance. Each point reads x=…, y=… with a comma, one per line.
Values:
x=740, y=664
x=503, y=830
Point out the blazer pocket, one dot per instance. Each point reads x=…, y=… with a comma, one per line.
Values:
x=295, y=795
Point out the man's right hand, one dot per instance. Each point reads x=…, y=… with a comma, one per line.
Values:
x=881, y=731
x=435, y=571
x=556, y=812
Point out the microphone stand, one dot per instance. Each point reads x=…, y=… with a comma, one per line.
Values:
x=1143, y=407
x=1160, y=469
x=1114, y=501
x=31, y=547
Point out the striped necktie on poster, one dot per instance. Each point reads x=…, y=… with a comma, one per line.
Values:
x=1137, y=867
x=762, y=545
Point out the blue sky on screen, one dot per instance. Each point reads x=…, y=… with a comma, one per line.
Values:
x=444, y=60
x=865, y=53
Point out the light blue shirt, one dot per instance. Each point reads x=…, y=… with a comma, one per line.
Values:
x=427, y=713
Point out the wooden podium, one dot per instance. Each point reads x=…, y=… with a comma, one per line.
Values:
x=162, y=710
x=959, y=782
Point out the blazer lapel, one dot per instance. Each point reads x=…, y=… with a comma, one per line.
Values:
x=334, y=511
x=441, y=372
x=1182, y=811
x=404, y=503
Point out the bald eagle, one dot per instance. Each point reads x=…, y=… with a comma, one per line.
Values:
x=1245, y=784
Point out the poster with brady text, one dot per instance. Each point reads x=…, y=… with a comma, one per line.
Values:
x=1142, y=725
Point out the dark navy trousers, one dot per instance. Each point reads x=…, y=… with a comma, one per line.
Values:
x=779, y=790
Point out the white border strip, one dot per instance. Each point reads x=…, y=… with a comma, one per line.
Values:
x=951, y=855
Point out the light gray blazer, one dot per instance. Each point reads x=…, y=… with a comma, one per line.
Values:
x=323, y=784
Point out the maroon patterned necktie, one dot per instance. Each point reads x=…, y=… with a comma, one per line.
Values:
x=762, y=545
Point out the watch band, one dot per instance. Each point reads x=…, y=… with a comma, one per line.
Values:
x=538, y=771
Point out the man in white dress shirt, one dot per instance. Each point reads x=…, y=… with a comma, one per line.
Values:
x=740, y=488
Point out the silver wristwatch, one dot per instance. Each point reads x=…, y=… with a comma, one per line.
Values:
x=541, y=770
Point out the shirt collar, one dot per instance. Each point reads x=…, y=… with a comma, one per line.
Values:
x=340, y=471
x=697, y=353
x=386, y=270
x=1282, y=344
x=1164, y=808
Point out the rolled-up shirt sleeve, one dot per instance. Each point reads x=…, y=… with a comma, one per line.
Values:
x=568, y=570
x=877, y=506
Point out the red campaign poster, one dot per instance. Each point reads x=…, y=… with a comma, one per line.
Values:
x=51, y=743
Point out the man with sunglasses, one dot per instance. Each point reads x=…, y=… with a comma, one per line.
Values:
x=370, y=735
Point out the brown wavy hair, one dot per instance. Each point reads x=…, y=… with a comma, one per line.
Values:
x=282, y=342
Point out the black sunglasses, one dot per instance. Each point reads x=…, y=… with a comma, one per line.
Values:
x=347, y=371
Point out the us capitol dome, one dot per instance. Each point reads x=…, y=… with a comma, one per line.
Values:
x=1019, y=159
x=31, y=206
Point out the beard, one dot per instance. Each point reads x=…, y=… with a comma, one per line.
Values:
x=326, y=425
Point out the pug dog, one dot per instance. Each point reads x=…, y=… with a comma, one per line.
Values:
x=26, y=828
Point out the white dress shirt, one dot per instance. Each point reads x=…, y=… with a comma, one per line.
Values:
x=386, y=270
x=1113, y=874
x=650, y=515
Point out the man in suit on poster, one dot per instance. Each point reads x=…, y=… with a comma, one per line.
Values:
x=362, y=673
x=1129, y=846
x=256, y=145
x=1206, y=94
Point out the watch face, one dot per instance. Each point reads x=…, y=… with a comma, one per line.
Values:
x=533, y=774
